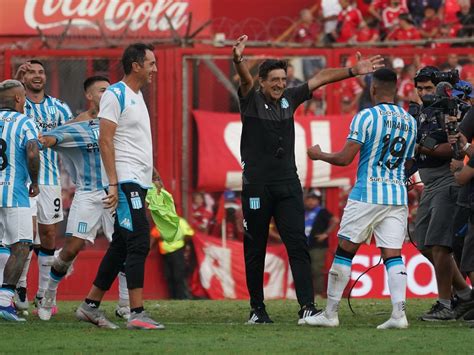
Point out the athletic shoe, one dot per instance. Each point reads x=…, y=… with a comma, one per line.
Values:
x=143, y=321
x=395, y=323
x=37, y=303
x=307, y=312
x=323, y=320
x=259, y=315
x=122, y=312
x=462, y=307
x=437, y=313
x=95, y=316
x=45, y=306
x=469, y=316
x=21, y=299
x=9, y=313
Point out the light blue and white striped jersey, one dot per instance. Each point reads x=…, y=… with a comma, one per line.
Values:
x=16, y=130
x=387, y=134
x=78, y=146
x=48, y=114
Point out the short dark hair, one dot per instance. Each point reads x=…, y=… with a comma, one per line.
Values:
x=271, y=64
x=35, y=61
x=93, y=79
x=135, y=52
x=425, y=74
x=386, y=80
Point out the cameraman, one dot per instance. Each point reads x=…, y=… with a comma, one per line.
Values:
x=434, y=222
x=464, y=175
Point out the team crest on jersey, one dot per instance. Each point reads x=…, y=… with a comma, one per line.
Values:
x=254, y=203
x=52, y=110
x=95, y=133
x=82, y=227
x=284, y=103
x=135, y=200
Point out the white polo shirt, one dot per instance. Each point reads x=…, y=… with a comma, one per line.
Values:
x=132, y=140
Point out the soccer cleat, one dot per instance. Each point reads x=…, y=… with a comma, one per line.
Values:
x=95, y=316
x=37, y=303
x=469, y=316
x=323, y=320
x=437, y=313
x=21, y=299
x=395, y=323
x=463, y=307
x=259, y=315
x=9, y=313
x=307, y=312
x=45, y=306
x=122, y=312
x=143, y=321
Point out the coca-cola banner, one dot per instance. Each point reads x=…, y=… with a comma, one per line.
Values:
x=221, y=272
x=219, y=150
x=93, y=17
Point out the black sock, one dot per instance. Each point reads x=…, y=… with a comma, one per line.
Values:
x=92, y=303
x=57, y=273
x=137, y=310
x=9, y=287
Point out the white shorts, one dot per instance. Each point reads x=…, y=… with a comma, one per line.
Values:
x=50, y=205
x=16, y=225
x=87, y=215
x=388, y=223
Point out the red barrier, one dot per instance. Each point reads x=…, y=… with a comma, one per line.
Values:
x=221, y=272
x=76, y=286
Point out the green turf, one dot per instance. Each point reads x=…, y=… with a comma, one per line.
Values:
x=218, y=327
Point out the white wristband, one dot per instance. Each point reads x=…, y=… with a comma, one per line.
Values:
x=466, y=147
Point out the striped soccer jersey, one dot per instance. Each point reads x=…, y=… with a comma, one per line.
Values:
x=48, y=114
x=77, y=144
x=387, y=134
x=16, y=130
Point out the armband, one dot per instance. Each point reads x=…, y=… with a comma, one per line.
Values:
x=351, y=73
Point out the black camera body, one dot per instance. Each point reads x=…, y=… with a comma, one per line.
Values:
x=451, y=77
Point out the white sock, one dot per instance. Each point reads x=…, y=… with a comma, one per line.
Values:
x=397, y=283
x=123, y=290
x=4, y=255
x=44, y=265
x=338, y=278
x=6, y=297
x=464, y=294
x=445, y=302
x=57, y=272
x=24, y=274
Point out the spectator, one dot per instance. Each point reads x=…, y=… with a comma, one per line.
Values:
x=416, y=8
x=319, y=223
x=291, y=80
x=431, y=23
x=348, y=21
x=350, y=91
x=201, y=216
x=330, y=11
x=391, y=14
x=368, y=32
x=233, y=216
x=405, y=31
x=406, y=90
x=446, y=32
x=466, y=19
x=397, y=65
x=308, y=31
x=451, y=8
x=314, y=107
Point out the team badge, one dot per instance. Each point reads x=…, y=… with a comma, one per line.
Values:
x=284, y=103
x=52, y=110
x=135, y=200
x=254, y=203
x=82, y=227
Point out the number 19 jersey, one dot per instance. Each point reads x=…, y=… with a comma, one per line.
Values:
x=387, y=135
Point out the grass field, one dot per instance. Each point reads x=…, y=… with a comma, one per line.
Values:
x=218, y=327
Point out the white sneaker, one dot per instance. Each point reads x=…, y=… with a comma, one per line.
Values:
x=45, y=306
x=395, y=323
x=322, y=320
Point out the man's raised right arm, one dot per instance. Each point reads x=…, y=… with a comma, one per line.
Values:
x=240, y=65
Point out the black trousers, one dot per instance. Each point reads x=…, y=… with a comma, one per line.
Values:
x=130, y=242
x=284, y=202
x=175, y=273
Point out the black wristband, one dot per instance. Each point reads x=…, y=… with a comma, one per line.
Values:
x=351, y=73
x=116, y=184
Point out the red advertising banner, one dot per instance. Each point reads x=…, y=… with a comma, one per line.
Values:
x=93, y=17
x=221, y=272
x=219, y=150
